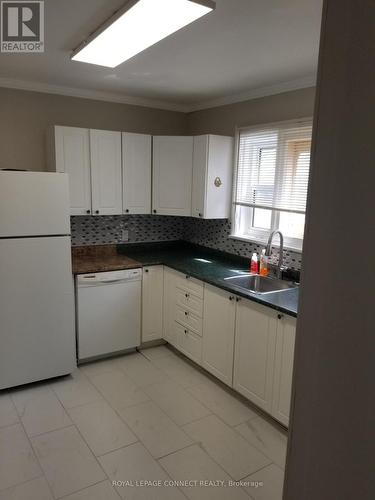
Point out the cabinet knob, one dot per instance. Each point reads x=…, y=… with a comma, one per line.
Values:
x=127, y=211
x=146, y=270
x=154, y=211
x=96, y=211
x=88, y=211
x=186, y=313
x=280, y=316
x=238, y=299
x=231, y=297
x=187, y=295
x=185, y=332
x=187, y=277
x=200, y=215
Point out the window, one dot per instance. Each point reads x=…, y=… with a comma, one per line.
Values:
x=271, y=182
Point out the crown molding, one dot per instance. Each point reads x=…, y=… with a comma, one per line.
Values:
x=97, y=95
x=279, y=88
x=91, y=94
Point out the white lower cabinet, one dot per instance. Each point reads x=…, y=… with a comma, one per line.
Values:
x=218, y=333
x=284, y=357
x=254, y=359
x=169, y=330
x=152, y=303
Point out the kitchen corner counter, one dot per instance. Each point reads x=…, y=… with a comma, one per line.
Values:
x=205, y=264
x=100, y=258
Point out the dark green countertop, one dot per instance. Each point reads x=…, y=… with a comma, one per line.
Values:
x=210, y=266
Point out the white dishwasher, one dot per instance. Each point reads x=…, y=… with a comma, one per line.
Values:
x=108, y=312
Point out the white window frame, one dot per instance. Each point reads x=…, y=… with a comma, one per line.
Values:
x=258, y=235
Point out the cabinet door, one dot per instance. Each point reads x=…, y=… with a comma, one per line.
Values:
x=200, y=160
x=219, y=177
x=106, y=176
x=282, y=386
x=169, y=330
x=172, y=175
x=72, y=156
x=189, y=343
x=152, y=303
x=218, y=333
x=136, y=173
x=212, y=176
x=255, y=341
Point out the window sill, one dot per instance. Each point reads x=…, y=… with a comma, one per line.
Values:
x=259, y=241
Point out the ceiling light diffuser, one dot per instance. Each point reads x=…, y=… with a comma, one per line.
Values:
x=140, y=24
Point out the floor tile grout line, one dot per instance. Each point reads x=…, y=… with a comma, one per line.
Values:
x=86, y=488
x=42, y=476
x=204, y=451
x=38, y=461
x=71, y=493
x=254, y=445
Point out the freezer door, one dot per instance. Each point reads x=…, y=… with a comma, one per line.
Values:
x=33, y=204
x=37, y=325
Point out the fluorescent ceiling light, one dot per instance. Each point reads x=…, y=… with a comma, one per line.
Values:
x=139, y=25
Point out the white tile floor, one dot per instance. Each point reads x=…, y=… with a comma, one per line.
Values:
x=145, y=417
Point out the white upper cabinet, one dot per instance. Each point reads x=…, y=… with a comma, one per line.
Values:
x=255, y=342
x=284, y=358
x=136, y=173
x=106, y=175
x=212, y=176
x=218, y=333
x=172, y=175
x=70, y=154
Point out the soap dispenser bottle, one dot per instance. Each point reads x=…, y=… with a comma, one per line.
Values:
x=263, y=265
x=254, y=264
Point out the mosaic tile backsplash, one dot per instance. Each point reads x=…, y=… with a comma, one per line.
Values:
x=147, y=228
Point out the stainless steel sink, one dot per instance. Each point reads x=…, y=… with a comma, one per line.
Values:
x=260, y=284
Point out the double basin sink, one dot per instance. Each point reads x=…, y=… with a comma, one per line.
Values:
x=260, y=284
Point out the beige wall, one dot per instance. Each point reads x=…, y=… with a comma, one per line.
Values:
x=224, y=119
x=25, y=117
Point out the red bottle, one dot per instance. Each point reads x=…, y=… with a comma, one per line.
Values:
x=254, y=264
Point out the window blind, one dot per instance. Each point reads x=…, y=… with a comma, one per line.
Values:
x=273, y=167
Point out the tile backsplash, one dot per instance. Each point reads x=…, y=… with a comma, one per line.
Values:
x=108, y=229
x=147, y=228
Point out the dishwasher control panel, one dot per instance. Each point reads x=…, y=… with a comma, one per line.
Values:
x=88, y=279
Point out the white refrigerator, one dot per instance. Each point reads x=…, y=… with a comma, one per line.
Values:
x=37, y=315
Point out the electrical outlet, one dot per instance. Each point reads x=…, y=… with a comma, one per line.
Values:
x=124, y=235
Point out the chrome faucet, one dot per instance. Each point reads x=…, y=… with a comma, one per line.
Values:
x=281, y=249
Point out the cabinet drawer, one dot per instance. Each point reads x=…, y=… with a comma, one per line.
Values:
x=189, y=343
x=188, y=301
x=189, y=284
x=189, y=319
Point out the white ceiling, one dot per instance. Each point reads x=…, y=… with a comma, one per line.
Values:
x=245, y=48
